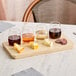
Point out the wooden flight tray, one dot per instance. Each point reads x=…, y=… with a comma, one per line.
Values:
x=28, y=52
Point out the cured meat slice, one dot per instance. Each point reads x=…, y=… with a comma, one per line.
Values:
x=61, y=41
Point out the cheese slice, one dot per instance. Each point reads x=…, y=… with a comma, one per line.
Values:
x=47, y=42
x=18, y=48
x=34, y=45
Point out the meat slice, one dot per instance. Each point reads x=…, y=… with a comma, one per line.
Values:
x=61, y=41
x=58, y=41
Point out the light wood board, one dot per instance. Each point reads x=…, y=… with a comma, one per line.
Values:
x=28, y=52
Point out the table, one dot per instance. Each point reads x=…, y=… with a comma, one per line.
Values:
x=55, y=64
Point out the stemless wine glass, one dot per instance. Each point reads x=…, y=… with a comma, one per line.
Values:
x=41, y=32
x=55, y=30
x=27, y=34
x=14, y=36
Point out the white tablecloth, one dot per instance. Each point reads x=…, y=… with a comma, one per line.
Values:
x=55, y=64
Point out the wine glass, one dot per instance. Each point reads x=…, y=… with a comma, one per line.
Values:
x=55, y=30
x=14, y=36
x=41, y=32
x=27, y=34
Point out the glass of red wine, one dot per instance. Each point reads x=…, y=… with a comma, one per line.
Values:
x=14, y=37
x=55, y=30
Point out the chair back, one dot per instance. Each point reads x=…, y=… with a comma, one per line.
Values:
x=63, y=11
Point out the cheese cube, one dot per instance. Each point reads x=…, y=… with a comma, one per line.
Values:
x=47, y=42
x=34, y=45
x=18, y=48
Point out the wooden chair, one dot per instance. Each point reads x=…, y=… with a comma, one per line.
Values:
x=28, y=16
x=49, y=10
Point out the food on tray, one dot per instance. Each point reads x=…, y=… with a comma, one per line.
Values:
x=55, y=33
x=47, y=42
x=18, y=48
x=41, y=34
x=27, y=37
x=34, y=45
x=14, y=39
x=61, y=41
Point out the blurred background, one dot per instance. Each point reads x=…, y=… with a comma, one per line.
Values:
x=63, y=11
x=13, y=9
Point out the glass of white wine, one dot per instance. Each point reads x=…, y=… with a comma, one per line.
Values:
x=41, y=32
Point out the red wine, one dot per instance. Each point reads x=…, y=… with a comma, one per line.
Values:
x=55, y=33
x=14, y=39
